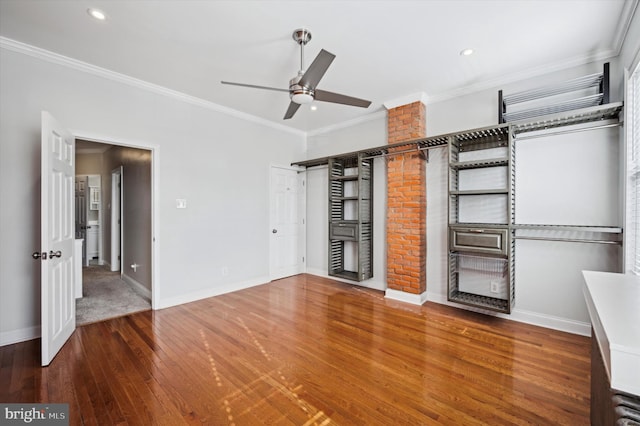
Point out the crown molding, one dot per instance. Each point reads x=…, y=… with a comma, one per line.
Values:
x=523, y=75
x=46, y=55
x=406, y=100
x=626, y=16
x=349, y=123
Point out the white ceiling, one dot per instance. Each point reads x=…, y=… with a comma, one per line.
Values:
x=384, y=49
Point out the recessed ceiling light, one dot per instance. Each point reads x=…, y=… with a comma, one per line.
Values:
x=97, y=14
x=313, y=107
x=466, y=52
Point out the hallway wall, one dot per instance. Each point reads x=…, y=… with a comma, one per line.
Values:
x=136, y=214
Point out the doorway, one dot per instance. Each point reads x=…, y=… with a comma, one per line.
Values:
x=109, y=288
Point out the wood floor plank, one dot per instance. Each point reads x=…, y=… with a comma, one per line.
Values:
x=307, y=350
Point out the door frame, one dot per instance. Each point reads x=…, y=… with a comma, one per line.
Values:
x=155, y=197
x=116, y=176
x=302, y=215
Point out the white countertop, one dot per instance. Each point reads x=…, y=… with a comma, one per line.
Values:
x=613, y=301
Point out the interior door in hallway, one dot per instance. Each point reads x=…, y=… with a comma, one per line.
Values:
x=287, y=222
x=81, y=213
x=58, y=309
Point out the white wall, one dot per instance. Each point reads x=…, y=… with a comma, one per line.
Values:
x=218, y=162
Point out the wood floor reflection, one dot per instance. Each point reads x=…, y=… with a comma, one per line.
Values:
x=308, y=351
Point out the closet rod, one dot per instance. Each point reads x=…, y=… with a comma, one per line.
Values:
x=520, y=138
x=406, y=151
x=318, y=167
x=567, y=240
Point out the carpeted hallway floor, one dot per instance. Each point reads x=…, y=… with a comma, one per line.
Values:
x=105, y=296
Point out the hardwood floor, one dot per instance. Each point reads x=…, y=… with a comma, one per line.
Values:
x=307, y=350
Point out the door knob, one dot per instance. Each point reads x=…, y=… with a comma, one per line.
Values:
x=274, y=231
x=37, y=255
x=53, y=254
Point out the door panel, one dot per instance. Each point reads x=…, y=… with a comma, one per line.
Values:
x=287, y=223
x=57, y=237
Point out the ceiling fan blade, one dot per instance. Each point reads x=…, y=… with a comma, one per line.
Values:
x=337, y=98
x=253, y=86
x=316, y=70
x=293, y=107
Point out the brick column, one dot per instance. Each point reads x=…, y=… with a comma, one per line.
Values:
x=406, y=204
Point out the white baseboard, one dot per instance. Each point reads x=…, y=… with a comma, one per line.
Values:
x=414, y=299
x=520, y=315
x=137, y=287
x=21, y=335
x=371, y=283
x=210, y=292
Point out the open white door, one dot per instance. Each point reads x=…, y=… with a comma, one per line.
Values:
x=287, y=213
x=57, y=229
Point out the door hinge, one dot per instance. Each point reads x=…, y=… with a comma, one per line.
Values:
x=302, y=259
x=118, y=257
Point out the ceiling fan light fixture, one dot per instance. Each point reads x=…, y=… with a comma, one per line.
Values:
x=302, y=96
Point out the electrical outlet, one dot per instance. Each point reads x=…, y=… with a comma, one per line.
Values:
x=494, y=287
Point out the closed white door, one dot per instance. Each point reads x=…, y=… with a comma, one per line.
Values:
x=287, y=222
x=58, y=307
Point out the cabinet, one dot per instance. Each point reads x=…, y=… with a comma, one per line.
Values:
x=350, y=217
x=481, y=196
x=92, y=240
x=94, y=198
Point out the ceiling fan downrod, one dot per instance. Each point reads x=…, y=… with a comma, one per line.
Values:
x=298, y=93
x=302, y=36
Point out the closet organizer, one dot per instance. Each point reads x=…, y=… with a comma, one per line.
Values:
x=483, y=225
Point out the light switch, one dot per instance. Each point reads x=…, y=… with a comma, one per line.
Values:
x=181, y=203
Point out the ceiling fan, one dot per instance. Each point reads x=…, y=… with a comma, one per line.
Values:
x=302, y=88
